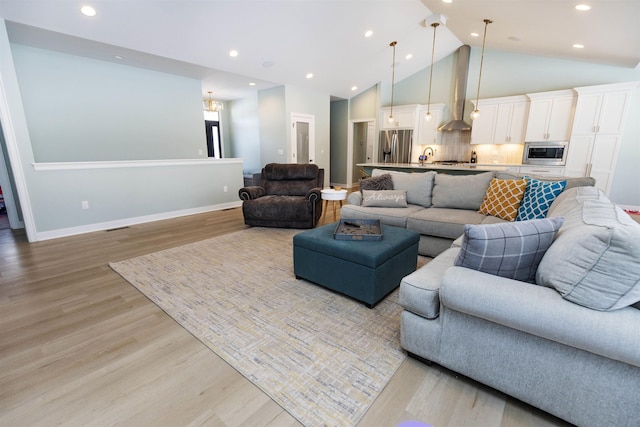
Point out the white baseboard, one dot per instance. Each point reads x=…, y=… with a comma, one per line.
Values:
x=89, y=228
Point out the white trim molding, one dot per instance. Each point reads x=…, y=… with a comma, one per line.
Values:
x=116, y=164
x=72, y=231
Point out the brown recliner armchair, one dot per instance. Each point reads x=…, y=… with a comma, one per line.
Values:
x=288, y=196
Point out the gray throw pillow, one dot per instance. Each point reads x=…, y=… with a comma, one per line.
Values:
x=382, y=182
x=419, y=185
x=594, y=261
x=460, y=191
x=384, y=198
x=512, y=249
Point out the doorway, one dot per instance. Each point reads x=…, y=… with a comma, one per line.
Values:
x=361, y=139
x=214, y=147
x=302, y=138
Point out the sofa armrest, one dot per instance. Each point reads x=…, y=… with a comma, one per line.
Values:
x=542, y=311
x=251, y=193
x=355, y=198
x=313, y=195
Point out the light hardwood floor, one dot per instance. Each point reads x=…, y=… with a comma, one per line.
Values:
x=79, y=346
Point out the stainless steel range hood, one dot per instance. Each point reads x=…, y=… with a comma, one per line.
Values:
x=459, y=92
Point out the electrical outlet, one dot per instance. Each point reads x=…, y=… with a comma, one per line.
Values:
x=85, y=204
x=225, y=188
x=281, y=152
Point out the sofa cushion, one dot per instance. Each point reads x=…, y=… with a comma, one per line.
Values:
x=511, y=250
x=460, y=191
x=385, y=198
x=582, y=181
x=418, y=185
x=419, y=290
x=538, y=198
x=503, y=198
x=542, y=312
x=390, y=216
x=380, y=182
x=594, y=260
x=441, y=222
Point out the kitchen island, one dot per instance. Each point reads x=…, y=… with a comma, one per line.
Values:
x=456, y=169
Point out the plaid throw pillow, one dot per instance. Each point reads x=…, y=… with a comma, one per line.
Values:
x=510, y=249
x=503, y=198
x=538, y=198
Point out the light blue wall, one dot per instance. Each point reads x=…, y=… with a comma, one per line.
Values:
x=365, y=105
x=117, y=195
x=81, y=109
x=244, y=132
x=506, y=74
x=273, y=125
x=339, y=141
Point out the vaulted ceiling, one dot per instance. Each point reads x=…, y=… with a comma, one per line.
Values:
x=281, y=41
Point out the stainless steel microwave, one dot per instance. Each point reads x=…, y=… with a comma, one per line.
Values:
x=545, y=153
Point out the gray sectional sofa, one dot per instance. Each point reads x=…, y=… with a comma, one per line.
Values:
x=568, y=344
x=438, y=205
x=567, y=341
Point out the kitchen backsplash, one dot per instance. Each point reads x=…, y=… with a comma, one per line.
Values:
x=456, y=146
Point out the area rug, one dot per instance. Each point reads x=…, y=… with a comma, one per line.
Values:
x=322, y=356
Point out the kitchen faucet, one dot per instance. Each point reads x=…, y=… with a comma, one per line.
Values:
x=428, y=151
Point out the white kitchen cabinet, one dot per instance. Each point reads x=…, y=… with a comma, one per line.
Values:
x=601, y=112
x=550, y=116
x=501, y=120
x=427, y=131
x=542, y=170
x=404, y=117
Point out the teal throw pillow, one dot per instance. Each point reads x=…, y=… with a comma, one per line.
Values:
x=538, y=198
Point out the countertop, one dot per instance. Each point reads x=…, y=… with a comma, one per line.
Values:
x=431, y=166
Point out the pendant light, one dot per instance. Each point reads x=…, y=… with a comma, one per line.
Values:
x=428, y=117
x=211, y=105
x=476, y=113
x=393, y=77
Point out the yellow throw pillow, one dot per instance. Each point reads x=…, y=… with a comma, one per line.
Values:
x=503, y=198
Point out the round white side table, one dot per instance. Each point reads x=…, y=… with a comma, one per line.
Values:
x=333, y=196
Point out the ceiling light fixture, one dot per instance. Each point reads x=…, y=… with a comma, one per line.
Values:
x=583, y=7
x=368, y=33
x=409, y=56
x=578, y=46
x=233, y=53
x=252, y=84
x=88, y=11
x=211, y=105
x=393, y=77
x=476, y=113
x=354, y=88
x=475, y=35
x=428, y=117
x=309, y=75
x=447, y=1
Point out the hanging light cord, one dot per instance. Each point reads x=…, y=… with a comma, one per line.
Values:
x=433, y=50
x=393, y=74
x=484, y=39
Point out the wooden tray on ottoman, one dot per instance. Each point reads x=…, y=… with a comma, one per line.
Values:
x=358, y=229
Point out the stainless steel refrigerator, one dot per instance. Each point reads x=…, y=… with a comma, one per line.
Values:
x=395, y=146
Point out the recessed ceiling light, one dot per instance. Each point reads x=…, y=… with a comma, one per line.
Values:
x=583, y=7
x=309, y=75
x=447, y=1
x=252, y=84
x=118, y=57
x=88, y=11
x=475, y=35
x=409, y=56
x=578, y=46
x=233, y=53
x=354, y=87
x=369, y=33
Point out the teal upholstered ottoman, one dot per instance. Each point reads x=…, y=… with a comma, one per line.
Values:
x=365, y=270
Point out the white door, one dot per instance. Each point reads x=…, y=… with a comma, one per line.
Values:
x=302, y=138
